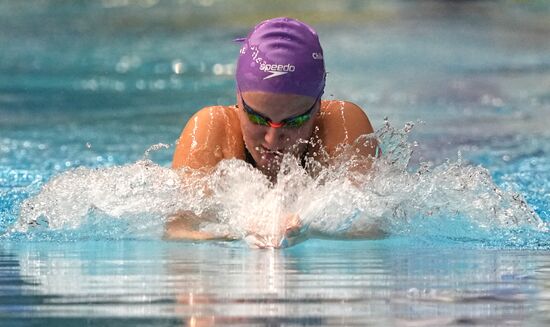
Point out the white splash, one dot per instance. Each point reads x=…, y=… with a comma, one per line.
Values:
x=338, y=202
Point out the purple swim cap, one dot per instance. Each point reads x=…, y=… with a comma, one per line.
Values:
x=281, y=55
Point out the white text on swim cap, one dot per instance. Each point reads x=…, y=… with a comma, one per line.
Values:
x=276, y=70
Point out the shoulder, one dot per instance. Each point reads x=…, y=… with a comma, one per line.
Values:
x=217, y=115
x=209, y=136
x=343, y=123
x=342, y=112
x=208, y=126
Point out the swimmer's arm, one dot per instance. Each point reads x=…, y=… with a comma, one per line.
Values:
x=211, y=135
x=192, y=151
x=185, y=226
x=296, y=232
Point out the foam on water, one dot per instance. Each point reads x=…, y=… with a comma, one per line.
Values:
x=453, y=201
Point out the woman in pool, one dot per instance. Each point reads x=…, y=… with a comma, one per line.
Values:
x=280, y=80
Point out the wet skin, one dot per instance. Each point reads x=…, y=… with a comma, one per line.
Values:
x=223, y=132
x=266, y=144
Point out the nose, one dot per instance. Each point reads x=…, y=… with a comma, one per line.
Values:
x=274, y=137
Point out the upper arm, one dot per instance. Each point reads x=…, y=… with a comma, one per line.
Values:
x=201, y=142
x=343, y=123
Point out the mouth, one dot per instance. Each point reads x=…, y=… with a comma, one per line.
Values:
x=264, y=150
x=269, y=155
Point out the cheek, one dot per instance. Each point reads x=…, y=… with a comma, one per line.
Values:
x=252, y=133
x=301, y=133
x=292, y=135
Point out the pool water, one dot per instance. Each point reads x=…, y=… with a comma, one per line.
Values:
x=317, y=283
x=93, y=96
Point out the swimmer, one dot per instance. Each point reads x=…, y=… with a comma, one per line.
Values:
x=280, y=80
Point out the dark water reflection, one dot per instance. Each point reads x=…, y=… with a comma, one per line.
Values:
x=317, y=283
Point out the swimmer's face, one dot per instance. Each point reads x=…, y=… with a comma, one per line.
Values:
x=266, y=144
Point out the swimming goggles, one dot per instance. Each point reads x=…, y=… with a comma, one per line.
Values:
x=293, y=122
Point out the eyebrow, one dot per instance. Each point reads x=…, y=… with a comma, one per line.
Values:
x=284, y=120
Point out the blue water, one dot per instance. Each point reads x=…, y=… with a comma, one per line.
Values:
x=93, y=96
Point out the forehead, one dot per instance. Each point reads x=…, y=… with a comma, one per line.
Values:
x=277, y=106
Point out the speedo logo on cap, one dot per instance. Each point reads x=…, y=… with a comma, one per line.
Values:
x=276, y=70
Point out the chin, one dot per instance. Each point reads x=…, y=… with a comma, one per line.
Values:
x=268, y=163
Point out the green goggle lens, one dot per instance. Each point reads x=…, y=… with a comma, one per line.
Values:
x=292, y=122
x=258, y=120
x=297, y=121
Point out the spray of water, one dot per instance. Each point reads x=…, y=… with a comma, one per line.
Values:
x=452, y=200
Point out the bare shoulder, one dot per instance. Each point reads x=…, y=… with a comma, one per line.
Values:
x=216, y=115
x=341, y=122
x=209, y=136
